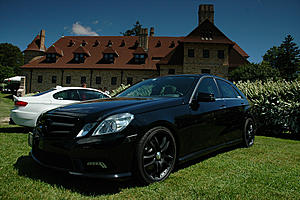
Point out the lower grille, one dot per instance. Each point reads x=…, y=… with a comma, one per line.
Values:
x=53, y=159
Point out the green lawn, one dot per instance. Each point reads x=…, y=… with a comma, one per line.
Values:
x=268, y=170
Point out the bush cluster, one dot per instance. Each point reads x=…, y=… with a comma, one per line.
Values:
x=275, y=105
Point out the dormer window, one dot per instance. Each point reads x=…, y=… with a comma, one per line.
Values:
x=51, y=57
x=109, y=58
x=139, y=58
x=83, y=43
x=109, y=44
x=79, y=57
x=158, y=44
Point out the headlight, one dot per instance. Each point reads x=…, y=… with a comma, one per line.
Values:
x=113, y=124
x=86, y=129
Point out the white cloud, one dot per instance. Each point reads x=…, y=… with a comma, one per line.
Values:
x=78, y=29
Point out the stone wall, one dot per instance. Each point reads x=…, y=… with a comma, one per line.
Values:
x=195, y=65
x=33, y=85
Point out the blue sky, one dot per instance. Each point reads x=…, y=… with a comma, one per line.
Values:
x=256, y=25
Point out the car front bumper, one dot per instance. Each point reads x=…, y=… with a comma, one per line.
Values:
x=91, y=158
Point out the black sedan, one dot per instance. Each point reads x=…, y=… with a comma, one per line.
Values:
x=145, y=130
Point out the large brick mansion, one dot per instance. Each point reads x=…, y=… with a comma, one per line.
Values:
x=108, y=61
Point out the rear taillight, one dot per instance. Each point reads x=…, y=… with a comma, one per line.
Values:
x=20, y=103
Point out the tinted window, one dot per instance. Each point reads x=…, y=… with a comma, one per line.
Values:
x=67, y=95
x=89, y=94
x=208, y=85
x=227, y=90
x=171, y=86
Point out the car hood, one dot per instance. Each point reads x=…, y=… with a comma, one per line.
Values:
x=101, y=108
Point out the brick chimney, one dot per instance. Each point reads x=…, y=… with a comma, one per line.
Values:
x=42, y=40
x=143, y=38
x=151, y=31
x=206, y=11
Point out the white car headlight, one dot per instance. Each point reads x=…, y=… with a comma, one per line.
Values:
x=113, y=124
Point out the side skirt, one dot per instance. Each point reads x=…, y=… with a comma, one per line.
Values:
x=202, y=152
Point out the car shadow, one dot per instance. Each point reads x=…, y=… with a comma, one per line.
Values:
x=27, y=167
x=14, y=129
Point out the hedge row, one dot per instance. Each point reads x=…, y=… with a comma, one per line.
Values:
x=275, y=105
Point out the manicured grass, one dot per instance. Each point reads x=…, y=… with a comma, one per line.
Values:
x=6, y=104
x=268, y=170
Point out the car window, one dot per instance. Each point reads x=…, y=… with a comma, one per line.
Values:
x=160, y=87
x=90, y=94
x=208, y=85
x=227, y=90
x=67, y=95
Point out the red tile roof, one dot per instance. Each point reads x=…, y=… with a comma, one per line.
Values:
x=125, y=52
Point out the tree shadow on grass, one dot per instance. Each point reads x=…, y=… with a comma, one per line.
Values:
x=27, y=167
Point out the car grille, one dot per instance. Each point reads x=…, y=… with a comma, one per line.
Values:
x=52, y=125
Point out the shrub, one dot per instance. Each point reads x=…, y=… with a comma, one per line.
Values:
x=262, y=71
x=275, y=105
x=119, y=89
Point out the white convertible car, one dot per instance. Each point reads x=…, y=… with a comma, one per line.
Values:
x=27, y=109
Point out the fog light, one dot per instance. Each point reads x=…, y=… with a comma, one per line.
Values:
x=100, y=164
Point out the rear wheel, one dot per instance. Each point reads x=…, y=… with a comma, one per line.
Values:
x=249, y=133
x=156, y=155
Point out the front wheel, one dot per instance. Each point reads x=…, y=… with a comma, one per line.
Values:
x=156, y=155
x=249, y=133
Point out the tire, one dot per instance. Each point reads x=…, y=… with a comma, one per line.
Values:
x=249, y=133
x=156, y=155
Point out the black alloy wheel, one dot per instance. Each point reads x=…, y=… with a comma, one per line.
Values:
x=249, y=133
x=156, y=155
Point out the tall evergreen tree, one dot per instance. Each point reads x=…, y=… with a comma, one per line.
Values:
x=286, y=58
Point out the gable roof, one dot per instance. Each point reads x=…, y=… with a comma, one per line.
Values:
x=54, y=49
x=36, y=45
x=207, y=32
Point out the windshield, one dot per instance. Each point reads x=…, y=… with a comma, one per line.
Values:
x=169, y=86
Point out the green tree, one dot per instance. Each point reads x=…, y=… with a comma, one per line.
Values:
x=11, y=58
x=252, y=72
x=286, y=58
x=134, y=31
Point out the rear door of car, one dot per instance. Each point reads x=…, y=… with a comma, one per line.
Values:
x=234, y=111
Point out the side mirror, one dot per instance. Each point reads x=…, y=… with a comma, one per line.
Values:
x=205, y=97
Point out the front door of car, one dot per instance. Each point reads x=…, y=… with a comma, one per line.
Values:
x=204, y=130
x=234, y=111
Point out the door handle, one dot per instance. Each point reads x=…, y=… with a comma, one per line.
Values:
x=223, y=105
